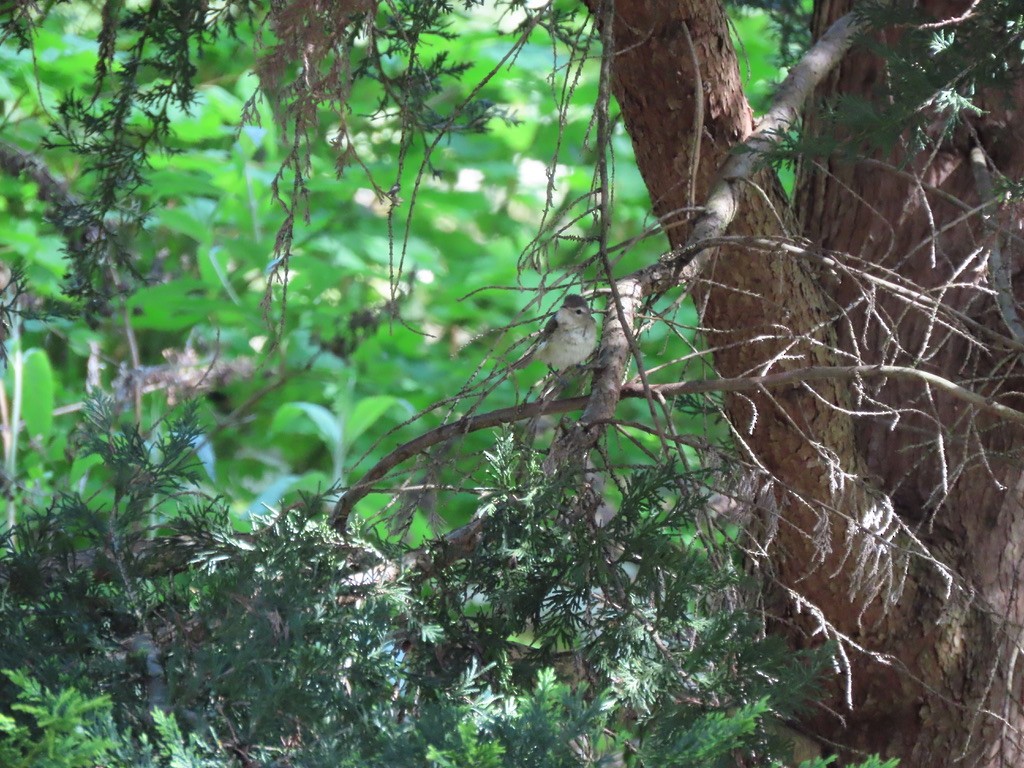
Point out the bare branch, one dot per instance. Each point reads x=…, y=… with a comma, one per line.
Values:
x=723, y=201
x=821, y=373
x=476, y=423
x=998, y=269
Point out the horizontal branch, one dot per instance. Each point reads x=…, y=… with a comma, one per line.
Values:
x=496, y=418
x=53, y=191
x=823, y=372
x=462, y=541
x=406, y=451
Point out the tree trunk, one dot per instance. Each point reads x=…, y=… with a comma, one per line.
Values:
x=892, y=511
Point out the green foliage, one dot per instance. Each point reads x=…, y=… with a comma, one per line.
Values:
x=382, y=302
x=871, y=762
x=70, y=730
x=790, y=20
x=323, y=253
x=143, y=80
x=553, y=642
x=61, y=739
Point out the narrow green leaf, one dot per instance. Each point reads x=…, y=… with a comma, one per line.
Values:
x=318, y=420
x=37, y=405
x=366, y=413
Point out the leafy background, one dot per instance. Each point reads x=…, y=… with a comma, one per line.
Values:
x=418, y=262
x=385, y=316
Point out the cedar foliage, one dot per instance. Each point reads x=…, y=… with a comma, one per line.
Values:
x=555, y=643
x=140, y=628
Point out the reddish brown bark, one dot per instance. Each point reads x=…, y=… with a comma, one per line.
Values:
x=930, y=685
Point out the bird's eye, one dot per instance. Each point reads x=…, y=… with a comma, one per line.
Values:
x=579, y=311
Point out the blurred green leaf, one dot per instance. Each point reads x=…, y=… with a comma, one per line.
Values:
x=368, y=411
x=172, y=306
x=80, y=466
x=269, y=498
x=38, y=393
x=307, y=419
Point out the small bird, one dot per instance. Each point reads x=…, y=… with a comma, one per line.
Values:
x=568, y=338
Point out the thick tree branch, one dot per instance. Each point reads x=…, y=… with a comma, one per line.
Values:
x=725, y=196
x=53, y=191
x=720, y=210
